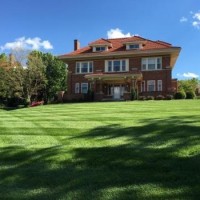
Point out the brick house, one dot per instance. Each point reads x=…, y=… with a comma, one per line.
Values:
x=118, y=68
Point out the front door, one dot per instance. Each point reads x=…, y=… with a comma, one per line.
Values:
x=116, y=94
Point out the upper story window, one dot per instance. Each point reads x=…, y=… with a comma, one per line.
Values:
x=84, y=67
x=152, y=63
x=99, y=48
x=133, y=46
x=116, y=65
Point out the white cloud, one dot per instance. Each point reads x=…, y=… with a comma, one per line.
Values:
x=29, y=43
x=183, y=19
x=196, y=22
x=188, y=75
x=117, y=33
x=197, y=16
x=194, y=19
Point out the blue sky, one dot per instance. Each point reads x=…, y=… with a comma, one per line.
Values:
x=52, y=25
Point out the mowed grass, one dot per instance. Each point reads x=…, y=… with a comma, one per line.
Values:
x=117, y=150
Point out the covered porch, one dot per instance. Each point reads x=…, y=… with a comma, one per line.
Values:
x=113, y=86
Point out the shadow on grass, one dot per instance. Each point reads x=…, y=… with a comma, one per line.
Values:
x=159, y=160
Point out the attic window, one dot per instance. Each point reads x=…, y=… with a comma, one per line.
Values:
x=134, y=46
x=101, y=48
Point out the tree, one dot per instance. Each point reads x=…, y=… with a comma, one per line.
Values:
x=3, y=57
x=3, y=61
x=3, y=84
x=31, y=75
x=55, y=74
x=188, y=85
x=35, y=78
x=15, y=81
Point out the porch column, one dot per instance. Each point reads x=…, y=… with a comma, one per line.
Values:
x=101, y=86
x=98, y=95
x=93, y=85
x=134, y=92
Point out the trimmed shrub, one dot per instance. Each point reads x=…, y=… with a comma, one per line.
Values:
x=190, y=95
x=160, y=97
x=133, y=94
x=180, y=95
x=142, y=98
x=169, y=97
x=197, y=97
x=150, y=98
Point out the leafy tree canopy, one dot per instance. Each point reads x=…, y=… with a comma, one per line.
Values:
x=55, y=74
x=188, y=85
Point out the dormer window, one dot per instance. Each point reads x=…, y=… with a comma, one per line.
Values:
x=100, y=48
x=134, y=46
x=100, y=45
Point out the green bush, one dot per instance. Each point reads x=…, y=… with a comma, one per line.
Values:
x=133, y=94
x=150, y=98
x=142, y=98
x=169, y=97
x=190, y=95
x=180, y=95
x=197, y=97
x=160, y=97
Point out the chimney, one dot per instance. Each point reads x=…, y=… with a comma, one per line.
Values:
x=11, y=59
x=76, y=45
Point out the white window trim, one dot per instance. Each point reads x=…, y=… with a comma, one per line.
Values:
x=77, y=88
x=121, y=60
x=145, y=60
x=148, y=83
x=82, y=88
x=88, y=67
x=159, y=83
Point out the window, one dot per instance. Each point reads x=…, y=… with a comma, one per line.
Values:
x=84, y=88
x=116, y=65
x=77, y=88
x=151, y=85
x=159, y=63
x=159, y=85
x=100, y=48
x=134, y=46
x=151, y=63
x=123, y=65
x=143, y=86
x=109, y=66
x=84, y=67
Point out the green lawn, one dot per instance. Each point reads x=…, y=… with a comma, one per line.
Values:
x=117, y=150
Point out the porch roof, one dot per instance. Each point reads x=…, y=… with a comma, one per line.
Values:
x=114, y=76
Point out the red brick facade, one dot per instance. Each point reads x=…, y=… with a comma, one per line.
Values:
x=105, y=84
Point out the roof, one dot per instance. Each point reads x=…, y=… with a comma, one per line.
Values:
x=118, y=45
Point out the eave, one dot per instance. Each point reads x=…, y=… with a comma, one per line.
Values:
x=172, y=51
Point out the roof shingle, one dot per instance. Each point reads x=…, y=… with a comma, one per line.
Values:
x=118, y=44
